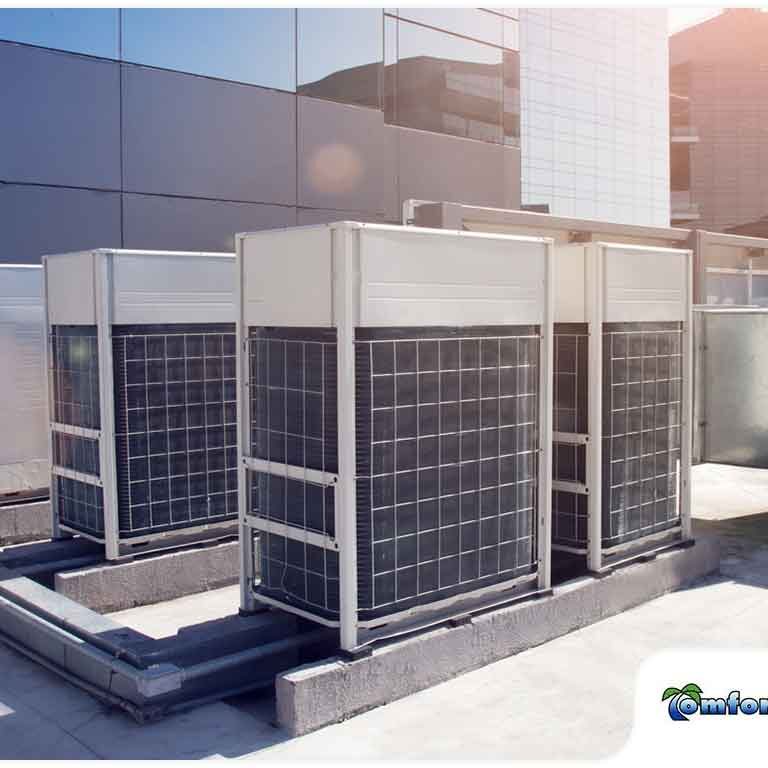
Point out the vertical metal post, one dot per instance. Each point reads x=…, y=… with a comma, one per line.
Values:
x=245, y=533
x=346, y=291
x=686, y=415
x=103, y=265
x=546, y=377
x=48, y=367
x=593, y=262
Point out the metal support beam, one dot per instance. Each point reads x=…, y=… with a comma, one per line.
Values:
x=107, y=459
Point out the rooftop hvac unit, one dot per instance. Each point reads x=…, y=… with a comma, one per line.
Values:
x=142, y=407
x=395, y=404
x=622, y=400
x=24, y=447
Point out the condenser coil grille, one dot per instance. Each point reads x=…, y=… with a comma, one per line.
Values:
x=175, y=426
x=447, y=439
x=642, y=407
x=447, y=458
x=74, y=376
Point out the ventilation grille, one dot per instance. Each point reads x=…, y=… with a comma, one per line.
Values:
x=642, y=409
x=294, y=421
x=80, y=505
x=74, y=401
x=175, y=426
x=569, y=508
x=447, y=439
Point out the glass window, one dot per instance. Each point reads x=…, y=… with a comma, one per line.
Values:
x=448, y=84
x=469, y=22
x=512, y=34
x=82, y=30
x=249, y=45
x=348, y=70
x=511, y=119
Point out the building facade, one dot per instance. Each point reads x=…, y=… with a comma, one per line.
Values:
x=719, y=123
x=595, y=112
x=175, y=128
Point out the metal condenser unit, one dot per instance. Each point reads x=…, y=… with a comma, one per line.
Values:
x=395, y=406
x=24, y=447
x=622, y=400
x=141, y=362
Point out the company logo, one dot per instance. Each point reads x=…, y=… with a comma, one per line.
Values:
x=687, y=701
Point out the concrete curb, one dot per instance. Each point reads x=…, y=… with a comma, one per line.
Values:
x=25, y=522
x=107, y=588
x=326, y=692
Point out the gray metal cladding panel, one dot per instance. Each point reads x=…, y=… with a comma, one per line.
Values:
x=198, y=137
x=39, y=220
x=74, y=376
x=432, y=166
x=175, y=426
x=735, y=407
x=642, y=410
x=447, y=470
x=80, y=505
x=62, y=118
x=346, y=157
x=172, y=223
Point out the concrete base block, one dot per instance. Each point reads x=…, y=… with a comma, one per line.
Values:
x=25, y=522
x=114, y=587
x=326, y=692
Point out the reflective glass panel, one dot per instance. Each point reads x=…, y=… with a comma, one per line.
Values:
x=340, y=54
x=250, y=45
x=82, y=30
x=511, y=97
x=469, y=22
x=448, y=84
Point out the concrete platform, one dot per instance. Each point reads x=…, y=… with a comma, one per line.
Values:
x=110, y=587
x=538, y=704
x=168, y=618
x=25, y=522
x=330, y=691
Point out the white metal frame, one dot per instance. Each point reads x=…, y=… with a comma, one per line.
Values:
x=595, y=300
x=346, y=317
x=103, y=277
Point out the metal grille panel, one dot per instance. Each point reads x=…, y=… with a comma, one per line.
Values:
x=77, y=453
x=74, y=376
x=569, y=509
x=642, y=409
x=447, y=438
x=175, y=426
x=293, y=421
x=80, y=505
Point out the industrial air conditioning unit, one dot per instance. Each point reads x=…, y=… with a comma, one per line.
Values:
x=141, y=362
x=24, y=470
x=622, y=400
x=395, y=413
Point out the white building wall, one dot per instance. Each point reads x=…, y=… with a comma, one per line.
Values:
x=595, y=113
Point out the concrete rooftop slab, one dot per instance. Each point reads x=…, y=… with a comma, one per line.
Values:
x=505, y=710
x=166, y=619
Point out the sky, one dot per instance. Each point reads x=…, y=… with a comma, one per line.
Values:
x=679, y=18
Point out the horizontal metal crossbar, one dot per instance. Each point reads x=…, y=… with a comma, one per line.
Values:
x=569, y=487
x=570, y=438
x=315, y=476
x=75, y=475
x=292, y=532
x=69, y=429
